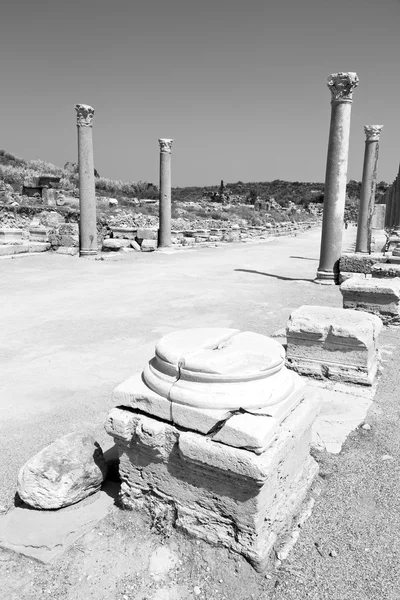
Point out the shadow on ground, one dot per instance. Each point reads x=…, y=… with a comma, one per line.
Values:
x=281, y=277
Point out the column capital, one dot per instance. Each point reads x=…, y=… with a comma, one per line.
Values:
x=84, y=115
x=165, y=145
x=342, y=86
x=372, y=132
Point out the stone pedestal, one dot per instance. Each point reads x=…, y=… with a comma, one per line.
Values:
x=377, y=296
x=341, y=86
x=87, y=196
x=367, y=195
x=214, y=437
x=333, y=343
x=164, y=239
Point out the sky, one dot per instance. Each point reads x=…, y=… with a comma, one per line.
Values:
x=239, y=85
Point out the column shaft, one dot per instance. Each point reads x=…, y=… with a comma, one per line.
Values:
x=164, y=238
x=87, y=196
x=367, y=195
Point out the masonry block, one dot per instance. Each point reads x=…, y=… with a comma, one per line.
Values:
x=10, y=236
x=360, y=263
x=333, y=343
x=377, y=296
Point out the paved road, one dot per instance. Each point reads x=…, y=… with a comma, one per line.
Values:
x=72, y=329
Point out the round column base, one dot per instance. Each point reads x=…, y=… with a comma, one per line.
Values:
x=84, y=252
x=326, y=278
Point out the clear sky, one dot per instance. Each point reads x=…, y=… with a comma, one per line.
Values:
x=240, y=85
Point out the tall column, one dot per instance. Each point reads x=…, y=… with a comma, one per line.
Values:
x=87, y=196
x=396, y=212
x=341, y=86
x=164, y=237
x=392, y=205
x=368, y=185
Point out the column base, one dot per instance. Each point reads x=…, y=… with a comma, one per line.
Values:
x=84, y=252
x=326, y=278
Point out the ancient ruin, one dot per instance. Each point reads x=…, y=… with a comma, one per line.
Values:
x=87, y=195
x=214, y=435
x=341, y=86
x=164, y=236
x=367, y=196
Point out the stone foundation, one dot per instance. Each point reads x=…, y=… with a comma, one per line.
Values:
x=377, y=296
x=333, y=343
x=214, y=437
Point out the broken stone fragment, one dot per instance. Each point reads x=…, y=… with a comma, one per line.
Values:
x=65, y=472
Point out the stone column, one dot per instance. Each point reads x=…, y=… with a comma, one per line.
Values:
x=164, y=236
x=396, y=199
x=341, y=86
x=368, y=185
x=87, y=197
x=392, y=205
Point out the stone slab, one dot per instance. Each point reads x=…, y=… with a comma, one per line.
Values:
x=147, y=234
x=379, y=296
x=360, y=263
x=24, y=248
x=127, y=233
x=46, y=534
x=342, y=410
x=333, y=343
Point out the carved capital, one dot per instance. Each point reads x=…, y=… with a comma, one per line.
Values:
x=165, y=145
x=84, y=115
x=372, y=132
x=342, y=86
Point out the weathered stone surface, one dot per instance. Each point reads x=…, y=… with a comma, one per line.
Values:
x=148, y=245
x=216, y=492
x=126, y=233
x=68, y=250
x=224, y=447
x=386, y=270
x=65, y=472
x=38, y=234
x=10, y=236
x=112, y=244
x=360, y=263
x=377, y=296
x=146, y=234
x=343, y=276
x=135, y=246
x=334, y=343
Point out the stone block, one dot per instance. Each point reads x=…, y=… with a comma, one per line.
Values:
x=333, y=343
x=377, y=296
x=147, y=234
x=113, y=245
x=188, y=241
x=386, y=270
x=63, y=473
x=38, y=234
x=215, y=435
x=68, y=250
x=126, y=233
x=148, y=245
x=135, y=246
x=360, y=263
x=10, y=236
